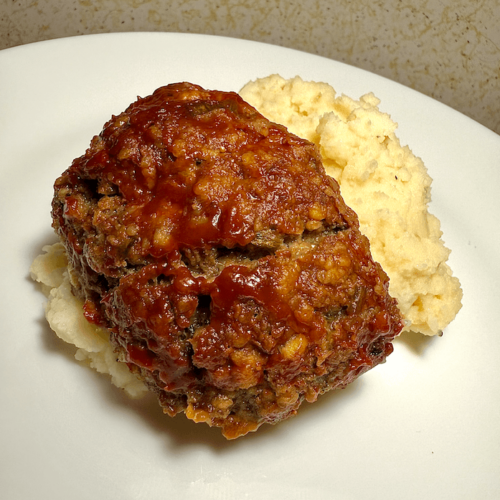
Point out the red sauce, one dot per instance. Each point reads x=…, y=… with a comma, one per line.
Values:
x=200, y=174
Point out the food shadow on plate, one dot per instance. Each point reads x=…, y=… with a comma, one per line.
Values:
x=415, y=342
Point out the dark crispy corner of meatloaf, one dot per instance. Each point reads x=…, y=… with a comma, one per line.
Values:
x=232, y=276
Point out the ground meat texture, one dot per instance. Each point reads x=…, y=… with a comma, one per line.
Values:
x=231, y=274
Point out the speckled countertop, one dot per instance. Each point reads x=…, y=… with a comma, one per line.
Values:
x=447, y=49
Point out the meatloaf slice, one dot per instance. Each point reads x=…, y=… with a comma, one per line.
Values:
x=230, y=273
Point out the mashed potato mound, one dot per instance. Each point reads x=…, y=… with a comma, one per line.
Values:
x=382, y=181
x=64, y=313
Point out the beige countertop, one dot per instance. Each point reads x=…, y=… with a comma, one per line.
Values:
x=447, y=49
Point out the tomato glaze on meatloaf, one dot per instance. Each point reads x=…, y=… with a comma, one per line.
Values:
x=223, y=260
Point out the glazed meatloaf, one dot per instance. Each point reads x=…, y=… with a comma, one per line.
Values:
x=230, y=273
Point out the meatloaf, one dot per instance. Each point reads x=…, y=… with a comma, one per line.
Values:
x=231, y=275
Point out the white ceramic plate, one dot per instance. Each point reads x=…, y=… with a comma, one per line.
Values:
x=426, y=425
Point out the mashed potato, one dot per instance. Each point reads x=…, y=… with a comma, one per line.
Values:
x=64, y=314
x=384, y=182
